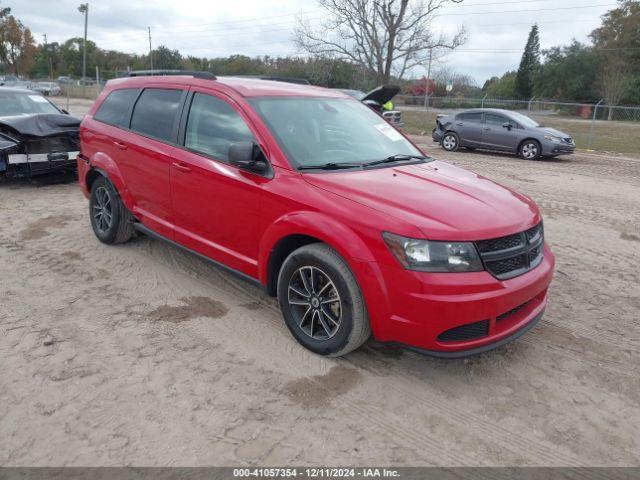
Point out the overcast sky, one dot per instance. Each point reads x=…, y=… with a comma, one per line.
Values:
x=497, y=29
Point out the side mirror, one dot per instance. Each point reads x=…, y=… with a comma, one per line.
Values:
x=245, y=155
x=507, y=125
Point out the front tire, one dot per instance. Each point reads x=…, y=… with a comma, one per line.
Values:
x=530, y=150
x=450, y=142
x=321, y=301
x=110, y=220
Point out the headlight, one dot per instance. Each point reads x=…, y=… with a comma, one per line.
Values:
x=553, y=139
x=428, y=256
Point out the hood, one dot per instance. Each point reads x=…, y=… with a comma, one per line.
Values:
x=553, y=131
x=41, y=124
x=381, y=95
x=445, y=202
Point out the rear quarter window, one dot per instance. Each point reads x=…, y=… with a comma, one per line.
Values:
x=156, y=112
x=115, y=109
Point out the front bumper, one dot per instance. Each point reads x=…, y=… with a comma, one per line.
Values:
x=550, y=148
x=20, y=164
x=424, y=308
x=482, y=349
x=437, y=135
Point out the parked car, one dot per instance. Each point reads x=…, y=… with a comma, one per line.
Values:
x=35, y=135
x=376, y=99
x=502, y=130
x=16, y=82
x=64, y=80
x=48, y=88
x=308, y=194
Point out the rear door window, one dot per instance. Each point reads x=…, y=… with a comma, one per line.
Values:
x=156, y=112
x=213, y=125
x=472, y=117
x=115, y=109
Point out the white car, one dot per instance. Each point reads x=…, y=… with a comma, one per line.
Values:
x=48, y=88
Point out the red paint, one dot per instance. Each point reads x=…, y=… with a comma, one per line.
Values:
x=236, y=217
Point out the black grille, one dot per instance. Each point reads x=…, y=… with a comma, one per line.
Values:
x=469, y=331
x=512, y=255
x=502, y=243
x=502, y=267
x=533, y=233
x=568, y=139
x=513, y=311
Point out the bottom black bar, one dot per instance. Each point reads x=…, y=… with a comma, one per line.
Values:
x=309, y=473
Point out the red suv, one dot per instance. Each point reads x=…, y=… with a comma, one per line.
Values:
x=310, y=194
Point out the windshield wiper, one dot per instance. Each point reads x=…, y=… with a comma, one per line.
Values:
x=330, y=166
x=401, y=157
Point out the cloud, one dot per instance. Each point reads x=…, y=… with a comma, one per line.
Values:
x=254, y=27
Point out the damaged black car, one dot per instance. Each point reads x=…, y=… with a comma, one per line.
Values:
x=35, y=135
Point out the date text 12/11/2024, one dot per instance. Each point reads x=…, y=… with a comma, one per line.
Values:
x=318, y=472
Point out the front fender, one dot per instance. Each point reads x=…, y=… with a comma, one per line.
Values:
x=342, y=238
x=337, y=235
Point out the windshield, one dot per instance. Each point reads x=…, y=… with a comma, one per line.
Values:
x=315, y=131
x=523, y=120
x=13, y=103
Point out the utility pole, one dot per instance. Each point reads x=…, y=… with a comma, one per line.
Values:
x=84, y=9
x=48, y=57
x=150, y=50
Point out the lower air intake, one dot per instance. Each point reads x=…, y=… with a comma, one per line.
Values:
x=470, y=331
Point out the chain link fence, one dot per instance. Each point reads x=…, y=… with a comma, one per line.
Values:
x=593, y=126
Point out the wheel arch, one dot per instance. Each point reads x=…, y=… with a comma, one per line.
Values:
x=103, y=165
x=302, y=228
x=281, y=250
x=92, y=175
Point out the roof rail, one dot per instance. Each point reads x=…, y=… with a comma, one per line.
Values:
x=191, y=73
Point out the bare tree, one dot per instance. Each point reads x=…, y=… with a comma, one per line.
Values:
x=388, y=37
x=615, y=80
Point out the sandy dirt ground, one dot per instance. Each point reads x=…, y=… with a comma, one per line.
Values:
x=141, y=354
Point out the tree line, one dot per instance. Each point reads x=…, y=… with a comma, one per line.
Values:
x=606, y=69
x=366, y=43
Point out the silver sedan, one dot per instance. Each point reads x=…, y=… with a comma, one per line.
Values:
x=502, y=130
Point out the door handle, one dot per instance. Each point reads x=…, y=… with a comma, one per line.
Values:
x=120, y=145
x=459, y=124
x=487, y=128
x=183, y=167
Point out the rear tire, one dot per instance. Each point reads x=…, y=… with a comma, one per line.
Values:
x=110, y=220
x=450, y=141
x=321, y=301
x=530, y=150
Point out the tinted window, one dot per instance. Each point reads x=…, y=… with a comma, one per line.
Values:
x=493, y=119
x=155, y=113
x=472, y=117
x=213, y=125
x=115, y=108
